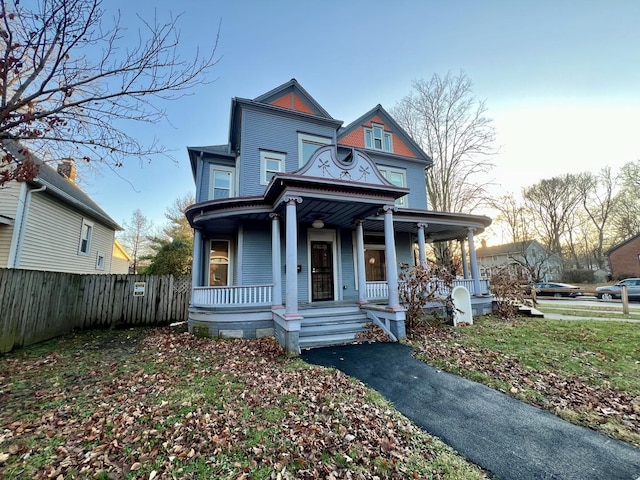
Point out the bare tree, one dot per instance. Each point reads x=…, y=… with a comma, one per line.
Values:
x=451, y=126
x=514, y=217
x=69, y=84
x=625, y=222
x=136, y=237
x=553, y=201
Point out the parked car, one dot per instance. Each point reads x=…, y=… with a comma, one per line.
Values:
x=555, y=289
x=608, y=292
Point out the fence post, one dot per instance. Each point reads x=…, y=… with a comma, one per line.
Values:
x=625, y=299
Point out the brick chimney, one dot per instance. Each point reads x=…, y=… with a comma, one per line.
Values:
x=67, y=168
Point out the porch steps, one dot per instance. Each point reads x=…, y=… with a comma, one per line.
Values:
x=331, y=326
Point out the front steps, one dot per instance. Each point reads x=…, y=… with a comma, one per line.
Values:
x=331, y=326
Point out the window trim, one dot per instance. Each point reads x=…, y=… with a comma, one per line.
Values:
x=384, y=170
x=229, y=261
x=100, y=261
x=369, y=134
x=270, y=155
x=90, y=228
x=311, y=139
x=221, y=168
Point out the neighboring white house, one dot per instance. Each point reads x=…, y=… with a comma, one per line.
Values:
x=50, y=224
x=529, y=259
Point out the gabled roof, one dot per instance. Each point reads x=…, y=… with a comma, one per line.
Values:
x=508, y=248
x=61, y=187
x=292, y=96
x=118, y=246
x=212, y=150
x=407, y=147
x=622, y=244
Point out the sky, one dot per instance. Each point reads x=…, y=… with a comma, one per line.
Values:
x=560, y=78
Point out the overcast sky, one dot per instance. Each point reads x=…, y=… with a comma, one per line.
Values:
x=560, y=79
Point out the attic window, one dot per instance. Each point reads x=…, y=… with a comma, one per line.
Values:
x=375, y=138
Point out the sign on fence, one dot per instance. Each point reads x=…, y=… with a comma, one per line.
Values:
x=138, y=289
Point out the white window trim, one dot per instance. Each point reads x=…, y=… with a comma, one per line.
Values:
x=222, y=168
x=229, y=264
x=100, y=261
x=385, y=135
x=314, y=139
x=264, y=155
x=90, y=236
x=384, y=171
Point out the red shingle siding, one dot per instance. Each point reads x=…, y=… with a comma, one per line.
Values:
x=356, y=138
x=624, y=259
x=292, y=102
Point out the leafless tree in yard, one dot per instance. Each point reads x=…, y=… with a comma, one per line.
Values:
x=453, y=128
x=70, y=87
x=136, y=237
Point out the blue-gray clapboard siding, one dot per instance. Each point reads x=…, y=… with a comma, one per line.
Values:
x=348, y=274
x=262, y=130
x=202, y=191
x=415, y=177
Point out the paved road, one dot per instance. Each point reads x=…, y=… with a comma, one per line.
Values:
x=507, y=437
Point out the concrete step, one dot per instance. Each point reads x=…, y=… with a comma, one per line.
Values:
x=325, y=320
x=326, y=340
x=530, y=311
x=338, y=328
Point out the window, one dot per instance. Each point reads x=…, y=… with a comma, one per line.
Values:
x=270, y=164
x=308, y=144
x=222, y=182
x=398, y=178
x=85, y=238
x=100, y=261
x=375, y=138
x=375, y=265
x=219, y=271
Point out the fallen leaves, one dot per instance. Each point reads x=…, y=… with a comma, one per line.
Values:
x=164, y=404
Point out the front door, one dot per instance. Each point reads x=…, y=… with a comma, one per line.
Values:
x=321, y=271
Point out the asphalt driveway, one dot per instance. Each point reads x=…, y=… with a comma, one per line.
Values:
x=509, y=438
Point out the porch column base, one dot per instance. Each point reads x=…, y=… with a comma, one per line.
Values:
x=277, y=307
x=287, y=331
x=394, y=308
x=362, y=302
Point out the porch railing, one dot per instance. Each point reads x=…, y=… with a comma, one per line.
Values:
x=380, y=290
x=249, y=295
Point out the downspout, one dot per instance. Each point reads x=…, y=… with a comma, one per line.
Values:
x=15, y=263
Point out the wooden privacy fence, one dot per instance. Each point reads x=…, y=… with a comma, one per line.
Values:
x=37, y=306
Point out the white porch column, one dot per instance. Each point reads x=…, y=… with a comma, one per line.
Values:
x=291, y=260
x=421, y=245
x=276, y=301
x=463, y=251
x=474, y=263
x=196, y=263
x=392, y=263
x=362, y=277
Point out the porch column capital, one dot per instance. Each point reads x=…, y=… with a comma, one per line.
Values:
x=422, y=226
x=274, y=216
x=291, y=199
x=389, y=209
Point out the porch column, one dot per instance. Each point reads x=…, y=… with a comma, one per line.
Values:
x=392, y=263
x=291, y=260
x=196, y=262
x=362, y=277
x=463, y=251
x=474, y=263
x=276, y=301
x=421, y=244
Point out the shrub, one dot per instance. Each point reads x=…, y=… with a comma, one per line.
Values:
x=421, y=285
x=578, y=276
x=509, y=290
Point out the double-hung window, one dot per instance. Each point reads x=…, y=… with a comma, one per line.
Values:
x=270, y=164
x=86, y=232
x=398, y=177
x=375, y=138
x=219, y=266
x=222, y=182
x=308, y=144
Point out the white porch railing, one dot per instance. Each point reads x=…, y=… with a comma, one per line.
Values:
x=380, y=290
x=249, y=295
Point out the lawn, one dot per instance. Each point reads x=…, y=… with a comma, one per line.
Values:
x=587, y=372
x=160, y=403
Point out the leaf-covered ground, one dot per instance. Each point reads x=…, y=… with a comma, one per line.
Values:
x=585, y=372
x=164, y=404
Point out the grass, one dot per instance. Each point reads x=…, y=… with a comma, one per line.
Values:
x=585, y=371
x=140, y=403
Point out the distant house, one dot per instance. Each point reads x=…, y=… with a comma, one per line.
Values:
x=50, y=224
x=624, y=258
x=121, y=260
x=528, y=259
